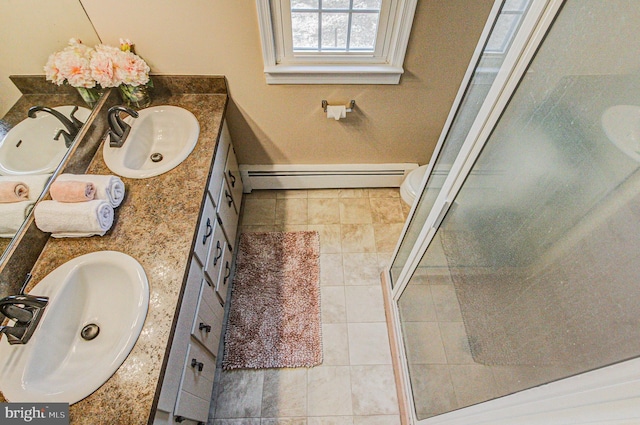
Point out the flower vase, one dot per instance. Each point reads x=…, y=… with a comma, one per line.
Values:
x=136, y=97
x=89, y=95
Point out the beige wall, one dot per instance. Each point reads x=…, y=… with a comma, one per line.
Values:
x=30, y=30
x=284, y=124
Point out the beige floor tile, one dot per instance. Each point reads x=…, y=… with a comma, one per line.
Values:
x=373, y=390
x=387, y=236
x=329, y=391
x=284, y=393
x=244, y=421
x=291, y=211
x=386, y=210
x=423, y=343
x=377, y=420
x=456, y=343
x=335, y=344
x=257, y=229
x=330, y=237
x=355, y=211
x=333, y=304
x=432, y=389
x=291, y=227
x=446, y=303
x=472, y=383
x=330, y=420
x=323, y=193
x=284, y=421
x=368, y=344
x=416, y=304
x=361, y=269
x=353, y=193
x=324, y=211
x=364, y=304
x=261, y=194
x=384, y=260
x=259, y=212
x=240, y=394
x=293, y=193
x=384, y=192
x=358, y=238
x=331, y=273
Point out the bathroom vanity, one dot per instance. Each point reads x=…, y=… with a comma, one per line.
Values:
x=181, y=227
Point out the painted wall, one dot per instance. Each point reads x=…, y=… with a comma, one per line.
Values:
x=30, y=30
x=285, y=124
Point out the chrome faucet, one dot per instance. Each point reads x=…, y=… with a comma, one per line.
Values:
x=118, y=129
x=25, y=310
x=72, y=125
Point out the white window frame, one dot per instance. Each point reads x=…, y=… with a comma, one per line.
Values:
x=385, y=66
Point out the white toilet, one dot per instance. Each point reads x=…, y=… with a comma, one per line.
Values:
x=411, y=184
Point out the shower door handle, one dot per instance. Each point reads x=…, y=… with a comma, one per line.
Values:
x=441, y=215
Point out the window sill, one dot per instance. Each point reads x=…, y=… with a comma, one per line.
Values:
x=333, y=74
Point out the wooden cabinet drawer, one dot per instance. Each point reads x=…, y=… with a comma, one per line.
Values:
x=205, y=231
x=225, y=274
x=227, y=213
x=220, y=161
x=232, y=174
x=208, y=321
x=197, y=385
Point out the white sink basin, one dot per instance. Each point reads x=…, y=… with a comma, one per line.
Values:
x=167, y=130
x=621, y=124
x=106, y=288
x=29, y=147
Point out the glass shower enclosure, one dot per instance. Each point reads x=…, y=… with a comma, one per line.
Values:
x=520, y=262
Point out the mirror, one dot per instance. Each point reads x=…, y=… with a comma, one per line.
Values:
x=30, y=30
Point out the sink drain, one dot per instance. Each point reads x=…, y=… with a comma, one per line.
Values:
x=90, y=331
x=156, y=157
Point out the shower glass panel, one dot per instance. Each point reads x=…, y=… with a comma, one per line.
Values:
x=484, y=74
x=533, y=274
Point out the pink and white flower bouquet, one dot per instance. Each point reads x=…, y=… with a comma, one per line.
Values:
x=100, y=67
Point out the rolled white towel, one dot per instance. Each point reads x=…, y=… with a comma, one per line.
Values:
x=34, y=182
x=11, y=217
x=108, y=187
x=74, y=220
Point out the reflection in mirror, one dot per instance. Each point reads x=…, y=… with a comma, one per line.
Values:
x=26, y=54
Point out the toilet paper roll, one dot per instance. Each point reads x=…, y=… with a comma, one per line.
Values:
x=336, y=111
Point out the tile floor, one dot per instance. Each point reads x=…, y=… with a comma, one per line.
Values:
x=358, y=229
x=443, y=373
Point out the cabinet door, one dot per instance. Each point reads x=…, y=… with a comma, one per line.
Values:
x=227, y=213
x=232, y=174
x=219, y=163
x=216, y=251
x=197, y=385
x=207, y=324
x=205, y=231
x=225, y=276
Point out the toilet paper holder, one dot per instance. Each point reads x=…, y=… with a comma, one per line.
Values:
x=349, y=106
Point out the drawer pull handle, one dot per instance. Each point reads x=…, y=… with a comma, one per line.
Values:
x=199, y=365
x=207, y=328
x=179, y=419
x=209, y=231
x=218, y=253
x=229, y=198
x=233, y=179
x=227, y=273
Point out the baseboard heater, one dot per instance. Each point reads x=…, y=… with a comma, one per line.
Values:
x=323, y=176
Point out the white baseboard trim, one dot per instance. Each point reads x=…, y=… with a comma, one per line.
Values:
x=323, y=176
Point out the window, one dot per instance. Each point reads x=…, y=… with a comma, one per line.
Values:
x=334, y=41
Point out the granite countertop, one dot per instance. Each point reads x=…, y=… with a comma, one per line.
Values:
x=156, y=225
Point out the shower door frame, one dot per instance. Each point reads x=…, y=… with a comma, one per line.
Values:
x=609, y=395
